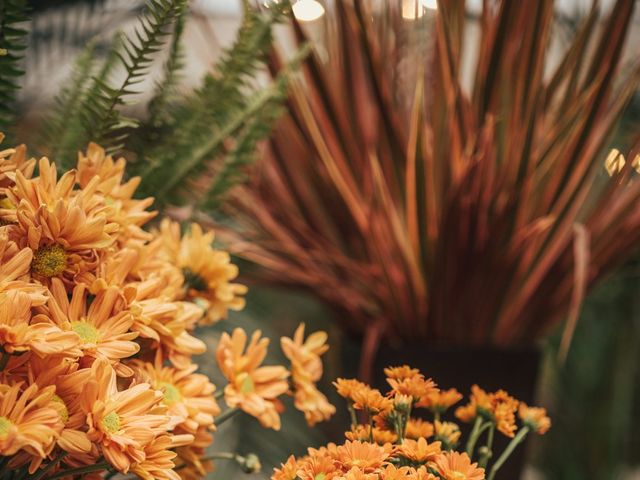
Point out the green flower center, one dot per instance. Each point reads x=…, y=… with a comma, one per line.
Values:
x=319, y=476
x=5, y=427
x=111, y=422
x=193, y=280
x=87, y=332
x=61, y=407
x=49, y=260
x=171, y=393
x=247, y=385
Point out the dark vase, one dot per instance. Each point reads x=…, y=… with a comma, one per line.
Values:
x=514, y=370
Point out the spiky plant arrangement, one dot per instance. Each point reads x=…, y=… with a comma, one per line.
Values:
x=180, y=136
x=468, y=217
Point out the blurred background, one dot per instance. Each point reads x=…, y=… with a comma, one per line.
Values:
x=593, y=396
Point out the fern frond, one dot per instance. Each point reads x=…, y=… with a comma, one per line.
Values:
x=62, y=128
x=104, y=122
x=159, y=113
x=255, y=128
x=12, y=43
x=216, y=111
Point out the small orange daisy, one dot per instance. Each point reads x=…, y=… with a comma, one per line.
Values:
x=457, y=466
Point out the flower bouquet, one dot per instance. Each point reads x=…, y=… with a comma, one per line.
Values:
x=386, y=442
x=96, y=332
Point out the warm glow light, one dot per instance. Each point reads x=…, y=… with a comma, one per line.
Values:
x=413, y=9
x=308, y=10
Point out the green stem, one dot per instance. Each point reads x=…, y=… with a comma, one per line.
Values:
x=219, y=394
x=487, y=449
x=354, y=418
x=473, y=437
x=81, y=470
x=436, y=416
x=508, y=451
x=49, y=466
x=226, y=415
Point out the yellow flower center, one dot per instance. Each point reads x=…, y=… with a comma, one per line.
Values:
x=49, y=260
x=5, y=427
x=58, y=404
x=111, y=422
x=319, y=476
x=87, y=332
x=7, y=204
x=247, y=385
x=171, y=393
x=458, y=476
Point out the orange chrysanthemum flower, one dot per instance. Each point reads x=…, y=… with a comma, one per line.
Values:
x=418, y=451
x=65, y=229
x=418, y=428
x=158, y=458
x=535, y=418
x=120, y=206
x=27, y=420
x=364, y=433
x=306, y=370
x=189, y=396
x=14, y=271
x=448, y=433
x=402, y=372
x=12, y=160
x=251, y=388
x=362, y=455
x=457, y=466
x=287, y=470
x=497, y=407
x=20, y=333
x=208, y=273
x=441, y=400
x=317, y=467
x=347, y=387
x=104, y=331
x=479, y=403
x=123, y=423
x=416, y=387
x=190, y=463
x=371, y=400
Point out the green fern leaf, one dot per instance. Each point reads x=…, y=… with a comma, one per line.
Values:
x=12, y=43
x=104, y=121
x=214, y=113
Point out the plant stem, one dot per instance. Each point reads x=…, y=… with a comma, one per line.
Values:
x=81, y=470
x=219, y=394
x=473, y=436
x=354, y=418
x=436, y=416
x=487, y=453
x=226, y=415
x=48, y=467
x=508, y=451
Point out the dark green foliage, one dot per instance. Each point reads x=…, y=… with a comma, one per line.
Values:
x=226, y=116
x=89, y=106
x=212, y=131
x=12, y=44
x=103, y=120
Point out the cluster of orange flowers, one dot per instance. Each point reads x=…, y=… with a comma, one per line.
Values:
x=96, y=330
x=386, y=442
